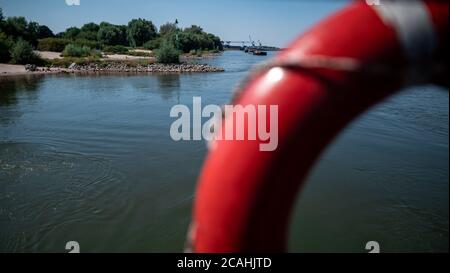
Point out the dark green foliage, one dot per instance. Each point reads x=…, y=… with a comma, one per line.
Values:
x=6, y=44
x=89, y=31
x=2, y=20
x=194, y=38
x=22, y=53
x=116, y=49
x=16, y=27
x=112, y=35
x=140, y=31
x=218, y=46
x=70, y=33
x=52, y=44
x=194, y=29
x=44, y=32
x=90, y=27
x=167, y=53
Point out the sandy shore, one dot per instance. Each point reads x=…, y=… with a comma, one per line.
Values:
x=18, y=70
x=123, y=57
x=113, y=63
x=49, y=55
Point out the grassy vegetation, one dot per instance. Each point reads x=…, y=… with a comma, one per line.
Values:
x=200, y=52
x=116, y=49
x=140, y=54
x=66, y=62
x=52, y=44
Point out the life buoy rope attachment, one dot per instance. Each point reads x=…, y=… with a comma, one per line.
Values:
x=326, y=77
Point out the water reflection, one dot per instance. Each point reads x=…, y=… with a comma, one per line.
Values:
x=168, y=85
x=14, y=90
x=13, y=87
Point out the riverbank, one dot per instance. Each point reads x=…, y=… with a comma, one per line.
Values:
x=148, y=68
x=19, y=70
x=141, y=61
x=117, y=67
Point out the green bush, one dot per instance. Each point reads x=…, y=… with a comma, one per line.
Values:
x=52, y=44
x=73, y=50
x=22, y=53
x=117, y=49
x=167, y=53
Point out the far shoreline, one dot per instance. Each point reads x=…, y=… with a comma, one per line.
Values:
x=110, y=67
x=19, y=70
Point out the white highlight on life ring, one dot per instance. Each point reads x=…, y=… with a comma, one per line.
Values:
x=412, y=22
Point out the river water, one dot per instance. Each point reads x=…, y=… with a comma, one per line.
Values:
x=90, y=159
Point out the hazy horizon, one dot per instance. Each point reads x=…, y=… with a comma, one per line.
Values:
x=263, y=20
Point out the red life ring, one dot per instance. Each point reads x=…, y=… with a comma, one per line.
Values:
x=325, y=78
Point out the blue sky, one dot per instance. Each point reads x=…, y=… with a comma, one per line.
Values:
x=272, y=22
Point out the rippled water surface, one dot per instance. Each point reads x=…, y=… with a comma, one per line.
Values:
x=90, y=159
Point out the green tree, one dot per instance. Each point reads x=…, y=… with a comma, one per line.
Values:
x=71, y=33
x=22, y=53
x=44, y=32
x=194, y=38
x=31, y=34
x=111, y=35
x=16, y=26
x=90, y=27
x=217, y=43
x=194, y=29
x=167, y=28
x=89, y=31
x=140, y=31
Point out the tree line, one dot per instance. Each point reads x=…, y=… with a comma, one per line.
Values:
x=17, y=31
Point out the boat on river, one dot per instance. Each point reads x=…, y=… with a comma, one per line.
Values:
x=259, y=53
